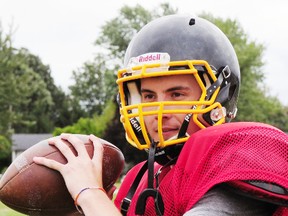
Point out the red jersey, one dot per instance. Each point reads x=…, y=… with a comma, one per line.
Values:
x=215, y=155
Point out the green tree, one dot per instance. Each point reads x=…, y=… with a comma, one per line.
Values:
x=24, y=96
x=116, y=34
x=94, y=86
x=62, y=111
x=5, y=152
x=35, y=111
x=30, y=101
x=20, y=88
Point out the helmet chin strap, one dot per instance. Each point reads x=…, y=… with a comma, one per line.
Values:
x=150, y=191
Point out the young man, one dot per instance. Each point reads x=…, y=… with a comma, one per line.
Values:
x=181, y=75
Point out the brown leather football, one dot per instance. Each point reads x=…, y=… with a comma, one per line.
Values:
x=37, y=190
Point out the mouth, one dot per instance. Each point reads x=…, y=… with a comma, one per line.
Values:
x=168, y=132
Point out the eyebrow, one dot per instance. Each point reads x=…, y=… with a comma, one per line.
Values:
x=176, y=88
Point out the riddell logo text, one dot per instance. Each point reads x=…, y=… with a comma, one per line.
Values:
x=149, y=58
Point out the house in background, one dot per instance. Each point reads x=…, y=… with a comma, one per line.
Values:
x=21, y=142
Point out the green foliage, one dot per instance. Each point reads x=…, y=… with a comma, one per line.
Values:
x=5, y=153
x=61, y=111
x=29, y=100
x=21, y=88
x=116, y=34
x=94, y=86
x=96, y=125
x=5, y=147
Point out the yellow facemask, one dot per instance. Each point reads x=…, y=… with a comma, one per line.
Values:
x=133, y=111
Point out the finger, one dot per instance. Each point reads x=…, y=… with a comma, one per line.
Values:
x=48, y=163
x=65, y=150
x=110, y=193
x=76, y=142
x=51, y=141
x=98, y=151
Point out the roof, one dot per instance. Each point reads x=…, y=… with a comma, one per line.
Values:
x=21, y=142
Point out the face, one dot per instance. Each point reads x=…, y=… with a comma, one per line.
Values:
x=169, y=88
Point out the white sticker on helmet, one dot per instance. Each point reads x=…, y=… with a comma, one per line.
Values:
x=150, y=58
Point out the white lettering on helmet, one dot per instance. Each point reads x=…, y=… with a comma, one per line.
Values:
x=135, y=124
x=150, y=58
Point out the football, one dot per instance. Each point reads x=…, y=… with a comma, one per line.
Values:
x=37, y=190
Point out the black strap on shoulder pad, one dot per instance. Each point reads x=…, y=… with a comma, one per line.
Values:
x=260, y=190
x=127, y=200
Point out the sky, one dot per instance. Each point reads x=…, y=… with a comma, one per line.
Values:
x=62, y=32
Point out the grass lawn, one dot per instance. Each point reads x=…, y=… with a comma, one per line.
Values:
x=4, y=210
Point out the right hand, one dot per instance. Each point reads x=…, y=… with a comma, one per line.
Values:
x=80, y=171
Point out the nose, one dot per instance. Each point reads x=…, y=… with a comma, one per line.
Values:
x=164, y=116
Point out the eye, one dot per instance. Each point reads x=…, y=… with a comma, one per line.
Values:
x=177, y=95
x=148, y=97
